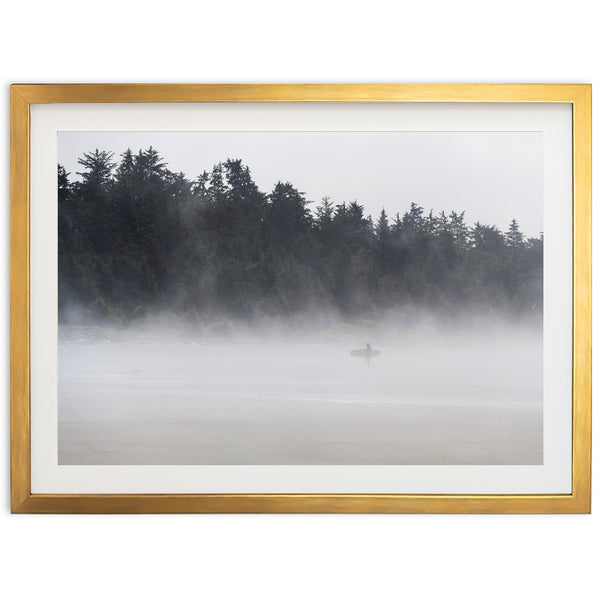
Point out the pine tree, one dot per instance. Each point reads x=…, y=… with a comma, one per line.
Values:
x=514, y=237
x=382, y=228
x=98, y=170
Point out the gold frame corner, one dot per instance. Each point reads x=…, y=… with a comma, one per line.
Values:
x=23, y=501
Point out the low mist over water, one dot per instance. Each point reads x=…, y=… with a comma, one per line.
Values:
x=145, y=398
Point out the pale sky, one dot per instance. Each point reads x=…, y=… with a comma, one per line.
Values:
x=493, y=176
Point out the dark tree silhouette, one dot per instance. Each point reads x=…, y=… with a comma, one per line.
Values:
x=135, y=238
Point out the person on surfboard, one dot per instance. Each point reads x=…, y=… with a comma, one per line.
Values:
x=367, y=353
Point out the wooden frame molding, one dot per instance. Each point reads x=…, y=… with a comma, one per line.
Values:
x=23, y=501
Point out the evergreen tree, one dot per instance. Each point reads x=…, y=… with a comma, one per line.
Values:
x=514, y=237
x=382, y=229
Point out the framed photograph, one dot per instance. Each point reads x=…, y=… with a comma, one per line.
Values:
x=301, y=298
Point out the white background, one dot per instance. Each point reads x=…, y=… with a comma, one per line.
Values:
x=366, y=556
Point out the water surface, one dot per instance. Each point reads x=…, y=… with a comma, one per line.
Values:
x=146, y=400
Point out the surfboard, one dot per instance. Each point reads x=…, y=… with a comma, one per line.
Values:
x=364, y=353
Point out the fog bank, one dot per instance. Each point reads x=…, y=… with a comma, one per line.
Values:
x=455, y=397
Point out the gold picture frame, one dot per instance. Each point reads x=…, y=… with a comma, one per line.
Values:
x=24, y=501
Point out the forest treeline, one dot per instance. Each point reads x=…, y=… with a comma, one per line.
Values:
x=136, y=239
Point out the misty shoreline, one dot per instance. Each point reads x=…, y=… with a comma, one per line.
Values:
x=209, y=321
x=413, y=326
